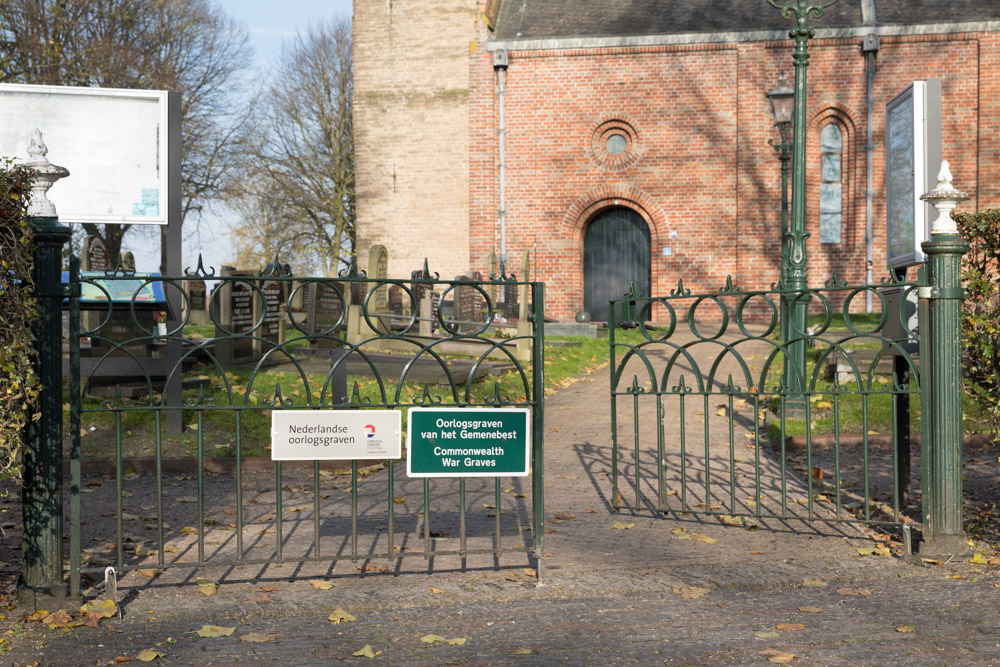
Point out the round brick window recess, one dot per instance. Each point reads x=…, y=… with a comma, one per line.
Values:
x=615, y=145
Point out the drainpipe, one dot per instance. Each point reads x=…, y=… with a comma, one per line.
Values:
x=500, y=67
x=870, y=48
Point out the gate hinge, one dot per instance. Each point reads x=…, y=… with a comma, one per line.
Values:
x=941, y=292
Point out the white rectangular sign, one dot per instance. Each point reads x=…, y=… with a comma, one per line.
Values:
x=113, y=141
x=335, y=435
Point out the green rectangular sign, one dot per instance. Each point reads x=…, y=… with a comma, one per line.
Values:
x=464, y=442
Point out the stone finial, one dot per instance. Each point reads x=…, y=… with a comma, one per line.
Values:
x=48, y=174
x=944, y=198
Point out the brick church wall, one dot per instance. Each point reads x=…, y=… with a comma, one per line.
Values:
x=703, y=170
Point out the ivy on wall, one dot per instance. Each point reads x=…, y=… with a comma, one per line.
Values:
x=981, y=309
x=19, y=386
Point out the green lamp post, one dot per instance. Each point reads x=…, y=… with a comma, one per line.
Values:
x=795, y=356
x=782, y=100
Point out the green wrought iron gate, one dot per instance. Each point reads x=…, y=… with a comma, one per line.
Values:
x=143, y=497
x=703, y=420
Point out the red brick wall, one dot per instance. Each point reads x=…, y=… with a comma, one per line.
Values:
x=701, y=165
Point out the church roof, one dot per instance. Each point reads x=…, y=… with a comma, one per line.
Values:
x=540, y=19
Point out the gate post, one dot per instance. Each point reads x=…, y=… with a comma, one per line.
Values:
x=41, y=494
x=943, y=533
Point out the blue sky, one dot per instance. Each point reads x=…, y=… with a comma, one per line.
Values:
x=268, y=22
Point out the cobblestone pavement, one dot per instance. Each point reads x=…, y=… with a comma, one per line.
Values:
x=641, y=591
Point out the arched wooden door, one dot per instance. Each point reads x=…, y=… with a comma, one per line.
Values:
x=616, y=254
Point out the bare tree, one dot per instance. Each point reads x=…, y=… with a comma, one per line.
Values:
x=301, y=182
x=188, y=46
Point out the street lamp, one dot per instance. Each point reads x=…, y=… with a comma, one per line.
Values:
x=795, y=357
x=782, y=100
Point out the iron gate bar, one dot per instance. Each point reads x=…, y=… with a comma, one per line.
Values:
x=121, y=408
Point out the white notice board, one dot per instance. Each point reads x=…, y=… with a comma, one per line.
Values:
x=113, y=141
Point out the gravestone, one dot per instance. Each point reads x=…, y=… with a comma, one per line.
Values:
x=378, y=268
x=196, y=306
x=395, y=301
x=272, y=309
x=241, y=320
x=128, y=261
x=423, y=292
x=324, y=311
x=95, y=254
x=468, y=304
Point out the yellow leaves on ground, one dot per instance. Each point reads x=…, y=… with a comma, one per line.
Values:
x=880, y=550
x=102, y=609
x=149, y=655
x=338, y=616
x=905, y=628
x=815, y=583
x=691, y=592
x=697, y=537
x=433, y=639
x=979, y=559
x=435, y=590
x=366, y=652
x=523, y=651
x=321, y=585
x=621, y=525
x=790, y=626
x=215, y=631
x=731, y=520
x=207, y=586
x=399, y=500
x=811, y=610
x=780, y=657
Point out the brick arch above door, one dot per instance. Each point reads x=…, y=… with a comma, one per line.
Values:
x=588, y=206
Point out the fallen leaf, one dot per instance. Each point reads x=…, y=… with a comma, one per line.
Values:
x=103, y=609
x=188, y=530
x=399, y=500
x=817, y=474
x=366, y=652
x=338, y=616
x=620, y=525
x=430, y=639
x=458, y=641
x=677, y=531
x=905, y=628
x=215, y=631
x=811, y=610
x=854, y=591
x=256, y=638
x=565, y=517
x=263, y=597
x=692, y=592
x=523, y=651
x=60, y=619
x=530, y=572
x=187, y=499
x=149, y=655
x=37, y=617
x=815, y=583
x=979, y=559
x=321, y=585
x=208, y=589
x=435, y=590
x=790, y=626
x=266, y=589
x=731, y=520
x=780, y=657
x=876, y=551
